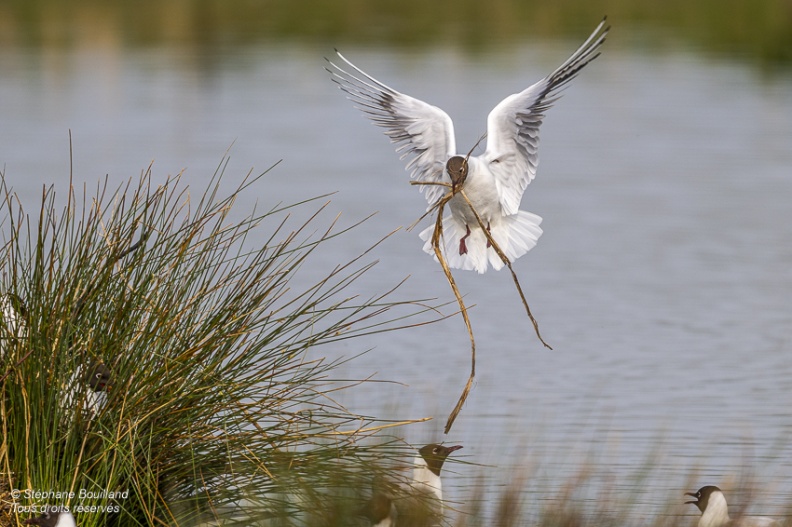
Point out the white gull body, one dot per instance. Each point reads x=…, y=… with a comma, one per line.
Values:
x=715, y=512
x=494, y=181
x=426, y=480
x=422, y=503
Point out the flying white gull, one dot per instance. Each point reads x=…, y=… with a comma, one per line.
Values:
x=714, y=512
x=494, y=181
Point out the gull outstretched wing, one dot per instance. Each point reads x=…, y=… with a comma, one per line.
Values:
x=513, y=125
x=421, y=131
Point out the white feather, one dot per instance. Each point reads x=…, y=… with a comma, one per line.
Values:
x=13, y=326
x=424, y=480
x=420, y=130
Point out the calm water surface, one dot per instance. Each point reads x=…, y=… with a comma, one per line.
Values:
x=663, y=279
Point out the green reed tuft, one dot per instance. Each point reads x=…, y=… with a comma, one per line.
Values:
x=220, y=405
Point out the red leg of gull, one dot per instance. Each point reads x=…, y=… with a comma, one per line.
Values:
x=462, y=245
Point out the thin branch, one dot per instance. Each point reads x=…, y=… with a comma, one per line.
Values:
x=506, y=261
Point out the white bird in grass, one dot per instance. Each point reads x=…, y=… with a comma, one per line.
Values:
x=13, y=321
x=422, y=503
x=715, y=513
x=427, y=466
x=495, y=181
x=86, y=391
x=425, y=505
x=53, y=517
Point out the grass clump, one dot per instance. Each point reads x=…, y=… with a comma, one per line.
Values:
x=219, y=406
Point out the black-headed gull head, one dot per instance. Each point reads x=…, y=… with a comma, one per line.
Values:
x=702, y=496
x=98, y=378
x=457, y=168
x=435, y=455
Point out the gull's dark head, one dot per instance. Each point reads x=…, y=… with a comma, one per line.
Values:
x=457, y=168
x=702, y=496
x=99, y=378
x=49, y=518
x=435, y=455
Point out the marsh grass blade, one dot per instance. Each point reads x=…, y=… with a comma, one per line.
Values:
x=222, y=405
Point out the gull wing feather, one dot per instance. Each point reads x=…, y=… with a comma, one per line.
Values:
x=513, y=125
x=422, y=131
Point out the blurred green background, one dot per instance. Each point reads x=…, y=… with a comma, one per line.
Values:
x=756, y=31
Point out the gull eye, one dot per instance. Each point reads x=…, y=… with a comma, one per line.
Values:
x=435, y=450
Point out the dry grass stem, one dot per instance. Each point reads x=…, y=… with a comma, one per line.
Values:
x=506, y=262
x=436, y=237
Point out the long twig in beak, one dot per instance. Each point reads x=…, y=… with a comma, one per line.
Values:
x=437, y=234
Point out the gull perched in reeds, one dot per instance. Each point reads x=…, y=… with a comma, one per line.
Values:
x=715, y=513
x=495, y=181
x=86, y=391
x=53, y=517
x=427, y=466
x=13, y=325
x=422, y=503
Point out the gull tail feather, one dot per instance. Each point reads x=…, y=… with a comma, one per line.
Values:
x=515, y=235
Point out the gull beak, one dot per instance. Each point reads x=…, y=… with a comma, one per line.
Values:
x=454, y=448
x=691, y=494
